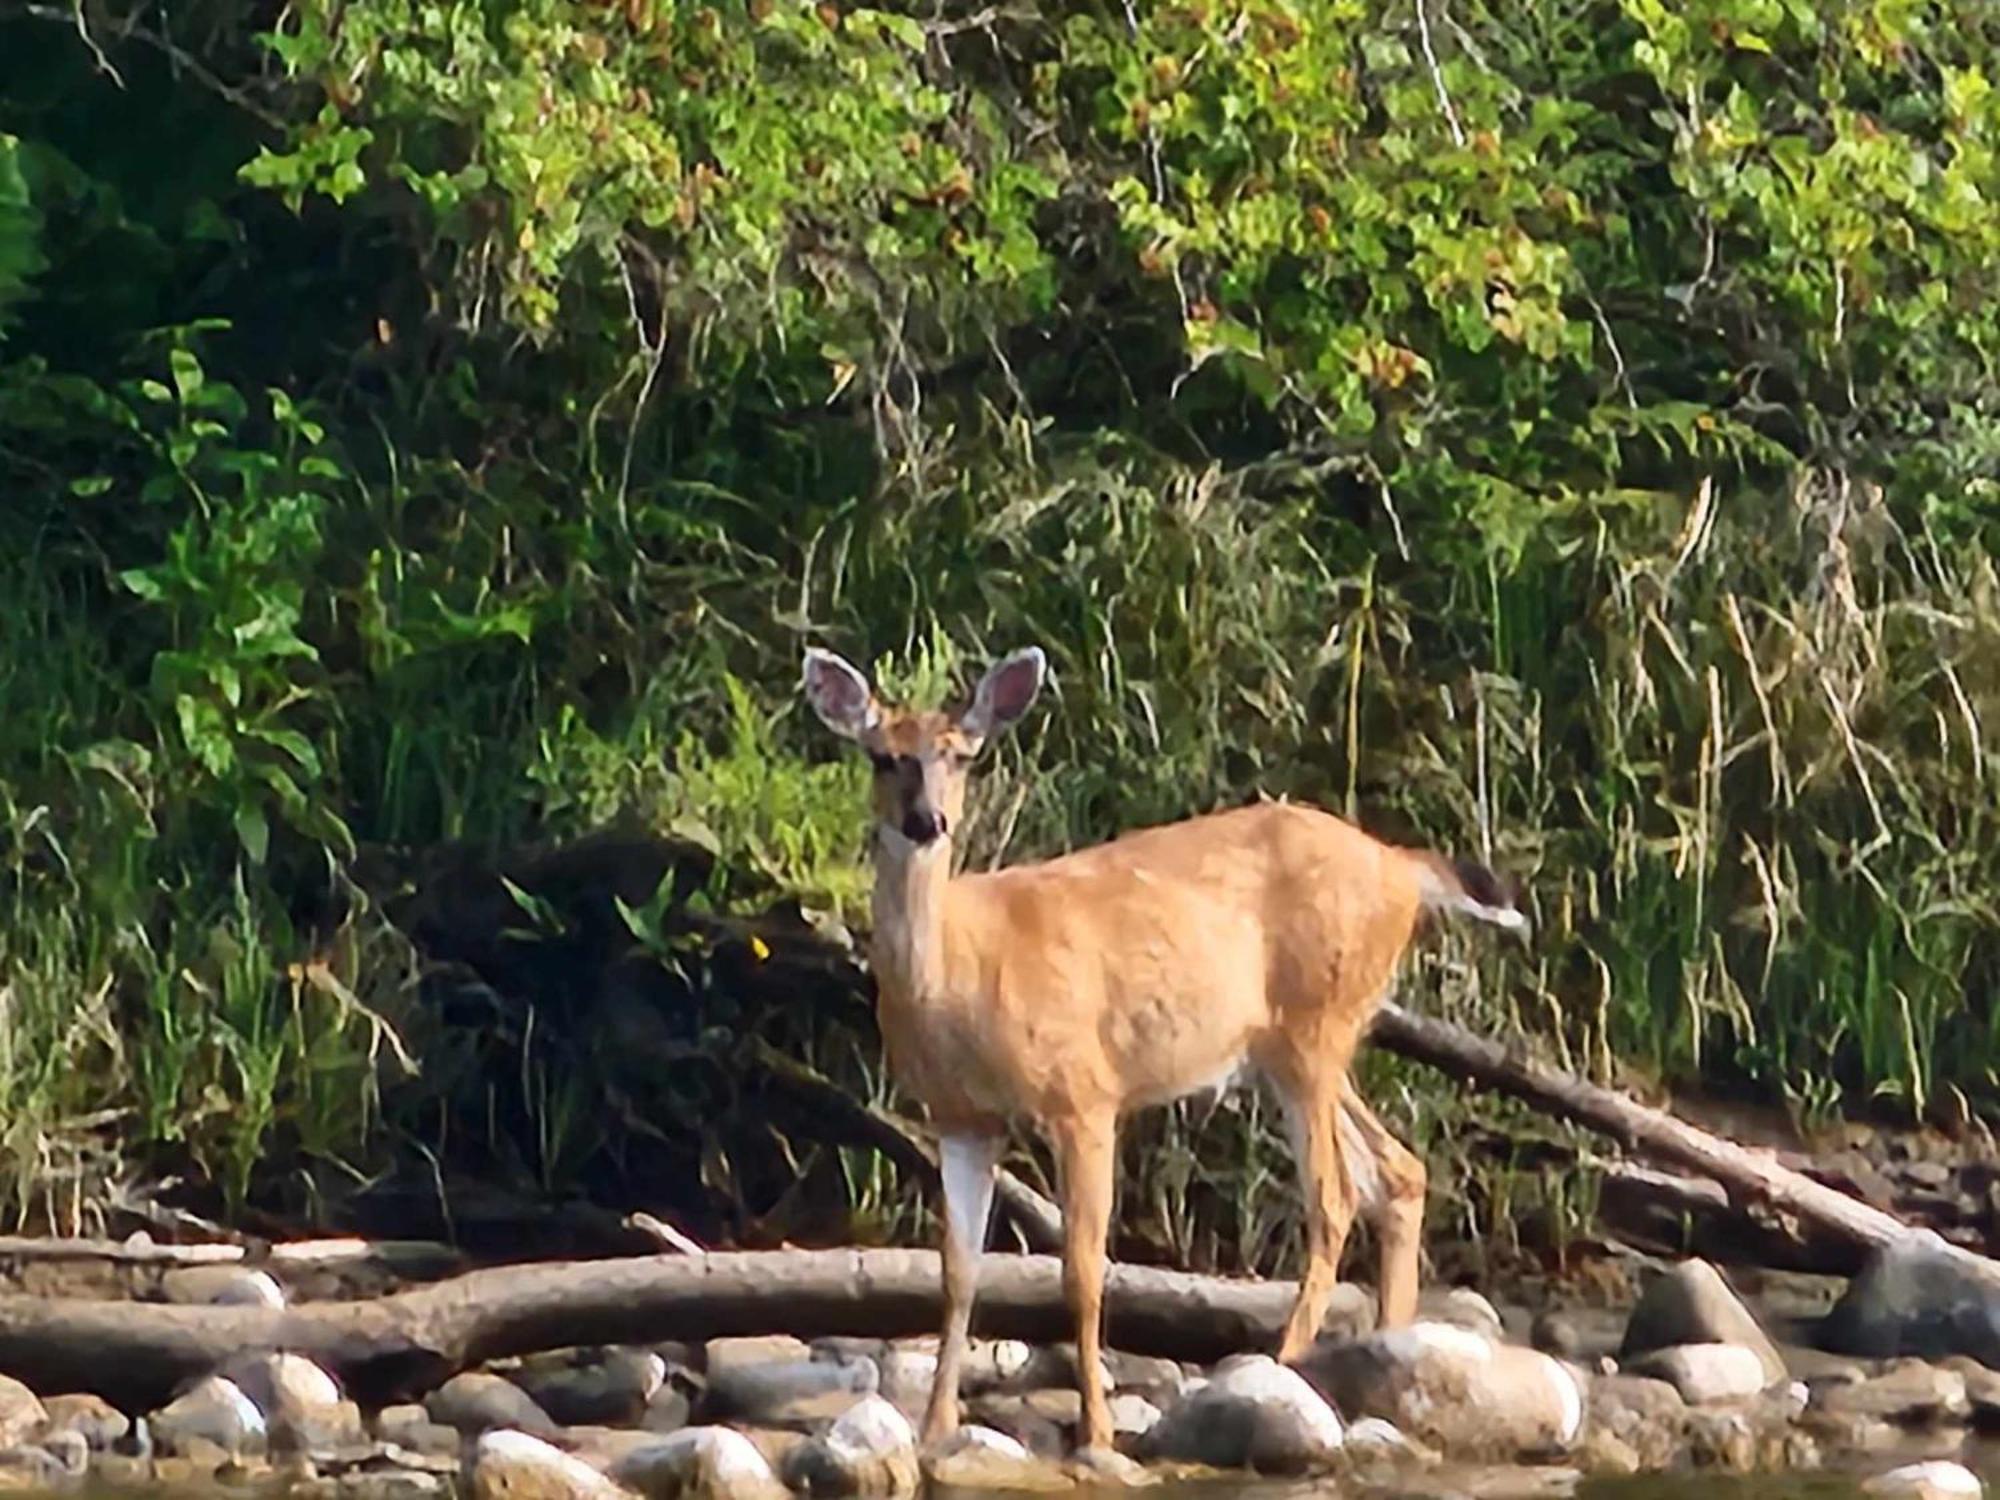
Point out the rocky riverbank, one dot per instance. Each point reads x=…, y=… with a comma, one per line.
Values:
x=1472, y=1400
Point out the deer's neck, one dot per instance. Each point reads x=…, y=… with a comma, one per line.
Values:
x=908, y=913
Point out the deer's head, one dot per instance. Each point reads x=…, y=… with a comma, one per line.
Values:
x=921, y=758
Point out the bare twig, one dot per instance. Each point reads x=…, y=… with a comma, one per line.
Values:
x=1437, y=73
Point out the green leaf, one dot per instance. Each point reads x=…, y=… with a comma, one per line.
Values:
x=253, y=830
x=187, y=374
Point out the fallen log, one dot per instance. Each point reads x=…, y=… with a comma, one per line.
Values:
x=400, y=1346
x=1850, y=1228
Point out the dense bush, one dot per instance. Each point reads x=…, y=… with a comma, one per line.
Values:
x=1565, y=433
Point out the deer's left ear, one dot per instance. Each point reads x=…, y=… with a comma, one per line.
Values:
x=840, y=695
x=1005, y=693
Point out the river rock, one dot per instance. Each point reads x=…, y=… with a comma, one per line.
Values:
x=1909, y=1393
x=1605, y=1452
x=506, y=1464
x=978, y=1458
x=22, y=1414
x=669, y=1410
x=1645, y=1415
x=597, y=1386
x=58, y=1462
x=1982, y=1389
x=477, y=1401
x=1939, y=1479
x=1918, y=1296
x=870, y=1450
x=1704, y=1373
x=905, y=1377
x=302, y=1405
x=213, y=1412
x=1555, y=1333
x=792, y=1393
x=1019, y=1416
x=1463, y=1307
x=100, y=1424
x=1132, y=1415
x=410, y=1427
x=699, y=1463
x=1253, y=1413
x=222, y=1286
x=721, y=1355
x=1047, y=1367
x=843, y=1347
x=1692, y=1305
x=1454, y=1389
x=1718, y=1438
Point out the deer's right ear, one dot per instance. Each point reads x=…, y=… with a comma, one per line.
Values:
x=839, y=695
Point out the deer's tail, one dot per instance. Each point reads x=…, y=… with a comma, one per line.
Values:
x=1466, y=888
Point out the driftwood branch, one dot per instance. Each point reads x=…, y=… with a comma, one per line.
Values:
x=1748, y=1177
x=395, y=1347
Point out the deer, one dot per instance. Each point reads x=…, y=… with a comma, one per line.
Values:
x=1164, y=963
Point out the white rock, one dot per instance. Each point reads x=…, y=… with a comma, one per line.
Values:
x=510, y=1465
x=1455, y=1389
x=871, y=1449
x=222, y=1286
x=1704, y=1373
x=699, y=1463
x=1251, y=1413
x=1132, y=1414
x=1939, y=1479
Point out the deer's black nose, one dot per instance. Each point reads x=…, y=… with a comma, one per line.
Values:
x=923, y=825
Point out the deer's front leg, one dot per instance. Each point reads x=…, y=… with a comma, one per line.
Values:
x=966, y=1162
x=1087, y=1150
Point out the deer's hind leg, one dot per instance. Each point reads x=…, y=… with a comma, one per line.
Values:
x=1311, y=1088
x=1391, y=1188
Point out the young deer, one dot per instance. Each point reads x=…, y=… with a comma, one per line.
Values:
x=1125, y=975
